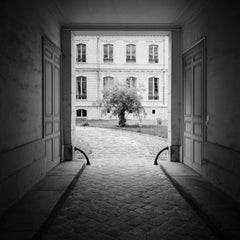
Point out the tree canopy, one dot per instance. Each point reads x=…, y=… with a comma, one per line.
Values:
x=120, y=100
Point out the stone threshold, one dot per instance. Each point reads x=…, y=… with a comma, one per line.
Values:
x=31, y=215
x=221, y=213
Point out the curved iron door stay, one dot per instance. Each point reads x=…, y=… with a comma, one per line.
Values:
x=156, y=158
x=85, y=155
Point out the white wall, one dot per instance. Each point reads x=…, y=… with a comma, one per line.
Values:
x=95, y=69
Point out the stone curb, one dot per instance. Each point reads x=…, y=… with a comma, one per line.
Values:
x=210, y=221
x=31, y=216
x=58, y=205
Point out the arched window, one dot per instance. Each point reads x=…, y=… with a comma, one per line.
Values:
x=81, y=88
x=131, y=82
x=108, y=53
x=153, y=53
x=81, y=113
x=153, y=88
x=131, y=53
x=108, y=83
x=81, y=52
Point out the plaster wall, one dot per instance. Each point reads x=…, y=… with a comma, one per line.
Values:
x=120, y=76
x=22, y=149
x=219, y=24
x=95, y=69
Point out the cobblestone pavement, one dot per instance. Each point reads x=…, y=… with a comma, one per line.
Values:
x=122, y=195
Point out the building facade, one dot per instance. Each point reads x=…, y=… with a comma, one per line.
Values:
x=137, y=61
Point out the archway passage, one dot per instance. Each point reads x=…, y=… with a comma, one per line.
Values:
x=123, y=195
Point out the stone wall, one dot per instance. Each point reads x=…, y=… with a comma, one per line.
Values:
x=219, y=23
x=22, y=149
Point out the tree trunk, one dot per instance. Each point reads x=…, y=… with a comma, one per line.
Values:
x=122, y=119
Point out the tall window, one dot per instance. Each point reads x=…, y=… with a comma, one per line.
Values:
x=153, y=88
x=81, y=53
x=131, y=82
x=81, y=88
x=108, y=83
x=131, y=53
x=153, y=53
x=81, y=113
x=108, y=53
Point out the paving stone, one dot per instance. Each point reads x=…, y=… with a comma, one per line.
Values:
x=122, y=195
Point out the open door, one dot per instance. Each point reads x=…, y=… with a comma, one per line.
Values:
x=51, y=103
x=193, y=102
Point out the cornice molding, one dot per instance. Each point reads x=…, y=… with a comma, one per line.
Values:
x=121, y=26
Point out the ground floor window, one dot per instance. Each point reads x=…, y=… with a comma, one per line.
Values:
x=81, y=113
x=81, y=88
x=131, y=82
x=108, y=83
x=153, y=88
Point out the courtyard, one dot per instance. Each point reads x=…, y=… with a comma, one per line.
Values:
x=152, y=127
x=122, y=195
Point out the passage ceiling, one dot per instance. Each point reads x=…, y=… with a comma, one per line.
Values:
x=124, y=11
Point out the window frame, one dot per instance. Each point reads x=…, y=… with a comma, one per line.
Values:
x=81, y=88
x=107, y=86
x=83, y=112
x=81, y=53
x=153, y=88
x=153, y=53
x=131, y=82
x=131, y=50
x=108, y=53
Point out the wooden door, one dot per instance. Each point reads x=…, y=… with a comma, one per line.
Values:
x=193, y=82
x=51, y=103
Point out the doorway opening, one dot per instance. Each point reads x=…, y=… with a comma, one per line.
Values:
x=138, y=59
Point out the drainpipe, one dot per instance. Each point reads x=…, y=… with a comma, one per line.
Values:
x=98, y=72
x=164, y=68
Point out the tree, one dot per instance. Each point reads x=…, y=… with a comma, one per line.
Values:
x=120, y=100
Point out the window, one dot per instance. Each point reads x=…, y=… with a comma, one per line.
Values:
x=81, y=113
x=153, y=86
x=131, y=53
x=108, y=53
x=108, y=83
x=81, y=53
x=153, y=111
x=81, y=88
x=131, y=82
x=153, y=53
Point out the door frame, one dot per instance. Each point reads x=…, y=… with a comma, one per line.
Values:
x=202, y=41
x=47, y=41
x=174, y=113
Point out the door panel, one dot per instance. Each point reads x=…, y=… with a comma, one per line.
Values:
x=49, y=153
x=48, y=88
x=197, y=129
x=197, y=91
x=187, y=151
x=193, y=107
x=56, y=91
x=51, y=95
x=187, y=92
